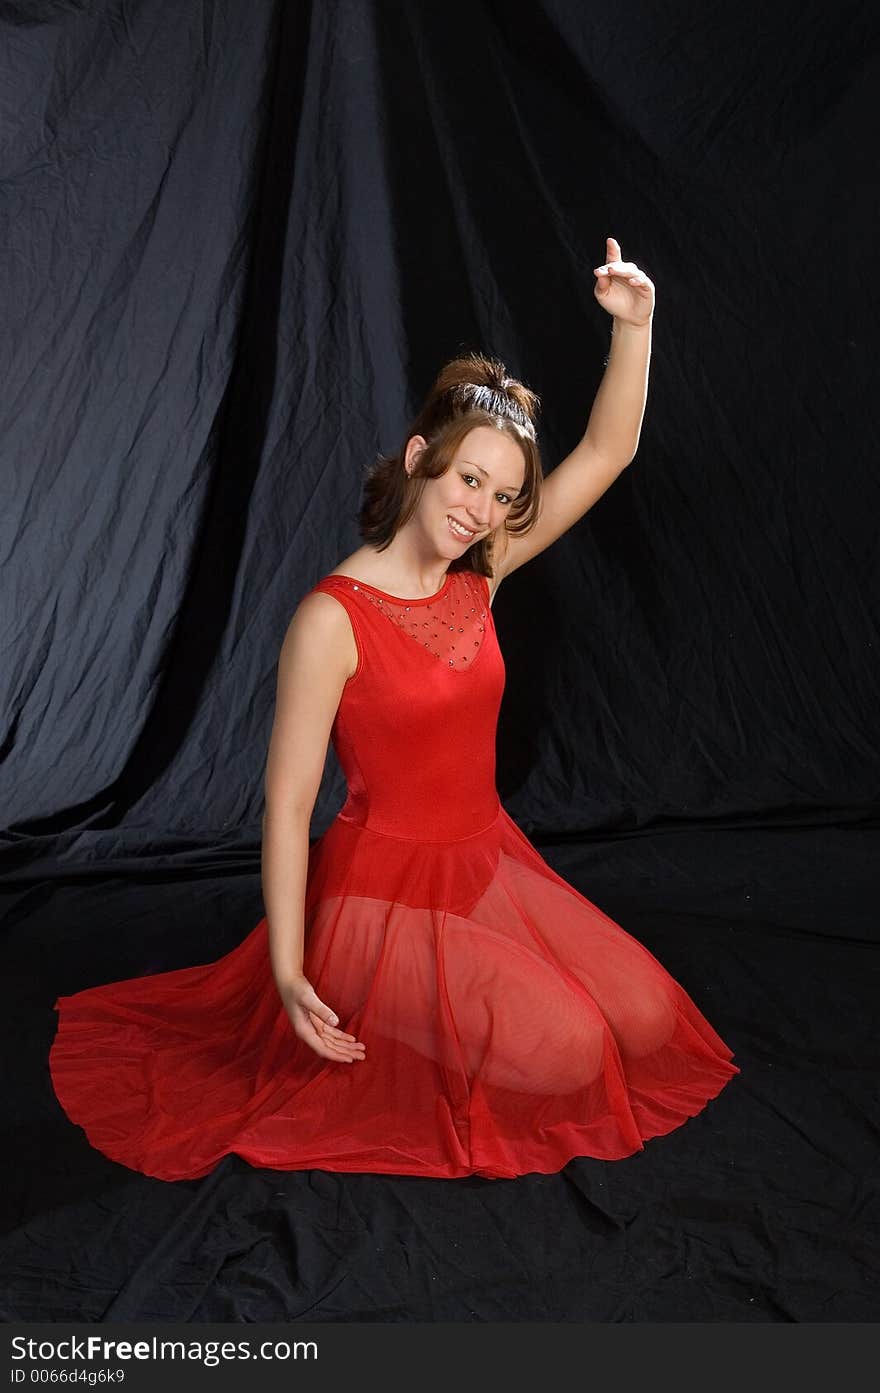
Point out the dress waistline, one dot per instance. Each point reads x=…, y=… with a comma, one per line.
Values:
x=425, y=841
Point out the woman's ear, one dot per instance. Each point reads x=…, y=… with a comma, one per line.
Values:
x=414, y=447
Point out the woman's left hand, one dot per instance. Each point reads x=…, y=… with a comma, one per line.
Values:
x=622, y=289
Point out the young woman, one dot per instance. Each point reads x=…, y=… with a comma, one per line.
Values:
x=424, y=996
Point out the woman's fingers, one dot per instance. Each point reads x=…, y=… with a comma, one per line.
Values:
x=626, y=271
x=341, y=1053
x=341, y=1048
x=317, y=1008
x=338, y=1042
x=316, y=1024
x=331, y=1031
x=336, y=1034
x=338, y=1051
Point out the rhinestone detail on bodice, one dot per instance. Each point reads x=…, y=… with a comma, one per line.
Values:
x=451, y=625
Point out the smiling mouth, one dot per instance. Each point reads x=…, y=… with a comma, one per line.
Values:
x=458, y=529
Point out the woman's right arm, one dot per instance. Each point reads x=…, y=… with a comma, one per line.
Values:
x=317, y=657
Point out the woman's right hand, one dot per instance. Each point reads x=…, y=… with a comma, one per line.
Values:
x=317, y=1025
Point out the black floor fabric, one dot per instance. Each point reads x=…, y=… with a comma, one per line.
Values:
x=763, y=1208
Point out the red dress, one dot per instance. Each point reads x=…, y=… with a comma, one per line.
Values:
x=509, y=1024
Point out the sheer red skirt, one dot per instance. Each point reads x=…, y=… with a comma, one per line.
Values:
x=509, y=1025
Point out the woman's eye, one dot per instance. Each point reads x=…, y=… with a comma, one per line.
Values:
x=502, y=497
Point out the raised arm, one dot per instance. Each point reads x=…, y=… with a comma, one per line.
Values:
x=317, y=656
x=611, y=438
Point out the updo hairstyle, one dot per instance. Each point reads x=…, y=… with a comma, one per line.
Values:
x=471, y=390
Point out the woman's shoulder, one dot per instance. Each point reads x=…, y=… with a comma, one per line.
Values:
x=359, y=568
x=321, y=626
x=355, y=567
x=320, y=613
x=323, y=609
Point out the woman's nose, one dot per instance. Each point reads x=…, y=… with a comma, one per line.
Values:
x=479, y=511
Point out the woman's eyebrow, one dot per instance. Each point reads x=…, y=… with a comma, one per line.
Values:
x=504, y=488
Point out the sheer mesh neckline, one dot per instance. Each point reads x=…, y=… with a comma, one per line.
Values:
x=396, y=599
x=451, y=624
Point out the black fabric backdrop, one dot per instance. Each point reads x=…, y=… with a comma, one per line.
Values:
x=238, y=242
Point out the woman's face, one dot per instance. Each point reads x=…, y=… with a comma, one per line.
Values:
x=474, y=496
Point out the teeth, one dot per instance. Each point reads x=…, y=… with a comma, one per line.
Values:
x=457, y=527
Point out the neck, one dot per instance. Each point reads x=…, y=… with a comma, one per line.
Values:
x=417, y=570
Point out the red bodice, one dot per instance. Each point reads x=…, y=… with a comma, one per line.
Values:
x=415, y=729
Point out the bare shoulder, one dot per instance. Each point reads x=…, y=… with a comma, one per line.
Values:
x=360, y=565
x=499, y=562
x=320, y=633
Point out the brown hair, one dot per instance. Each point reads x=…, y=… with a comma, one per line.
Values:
x=469, y=391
